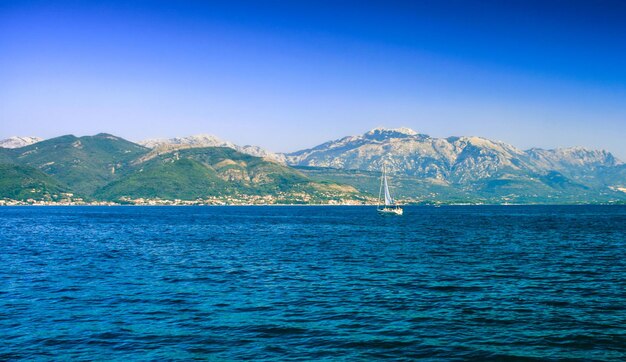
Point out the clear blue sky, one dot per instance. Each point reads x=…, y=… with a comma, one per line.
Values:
x=289, y=75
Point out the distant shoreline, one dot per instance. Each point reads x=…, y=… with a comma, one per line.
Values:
x=303, y=205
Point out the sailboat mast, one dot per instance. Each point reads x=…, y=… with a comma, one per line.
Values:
x=389, y=207
x=388, y=199
x=380, y=192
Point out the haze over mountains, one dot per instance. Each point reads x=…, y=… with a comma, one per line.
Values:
x=424, y=169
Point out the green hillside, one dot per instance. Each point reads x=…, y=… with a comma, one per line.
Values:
x=552, y=187
x=84, y=164
x=6, y=155
x=189, y=174
x=402, y=187
x=183, y=179
x=23, y=182
x=612, y=176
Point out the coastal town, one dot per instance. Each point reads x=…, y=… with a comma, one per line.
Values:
x=69, y=199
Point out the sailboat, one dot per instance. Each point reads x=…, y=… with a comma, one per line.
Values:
x=389, y=207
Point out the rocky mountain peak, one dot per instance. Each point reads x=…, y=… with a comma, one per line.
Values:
x=572, y=157
x=392, y=131
x=161, y=145
x=17, y=141
x=199, y=140
x=453, y=159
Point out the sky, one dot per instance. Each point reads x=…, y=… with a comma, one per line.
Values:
x=288, y=75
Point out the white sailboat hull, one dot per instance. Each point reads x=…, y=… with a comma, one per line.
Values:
x=391, y=211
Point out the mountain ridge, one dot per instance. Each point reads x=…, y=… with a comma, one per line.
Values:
x=465, y=169
x=458, y=159
x=208, y=140
x=105, y=167
x=159, y=145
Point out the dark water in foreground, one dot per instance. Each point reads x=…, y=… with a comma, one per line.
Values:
x=313, y=283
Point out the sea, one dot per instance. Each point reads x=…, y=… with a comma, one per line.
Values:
x=313, y=283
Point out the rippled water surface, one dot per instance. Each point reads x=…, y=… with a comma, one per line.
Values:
x=313, y=283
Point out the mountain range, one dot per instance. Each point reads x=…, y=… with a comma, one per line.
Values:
x=423, y=169
x=452, y=160
x=109, y=168
x=463, y=168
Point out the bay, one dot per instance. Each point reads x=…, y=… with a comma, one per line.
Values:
x=313, y=283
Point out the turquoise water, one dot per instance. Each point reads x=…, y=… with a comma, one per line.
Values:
x=313, y=283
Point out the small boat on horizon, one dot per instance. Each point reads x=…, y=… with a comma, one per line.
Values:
x=389, y=207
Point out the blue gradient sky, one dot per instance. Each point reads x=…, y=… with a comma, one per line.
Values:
x=291, y=75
